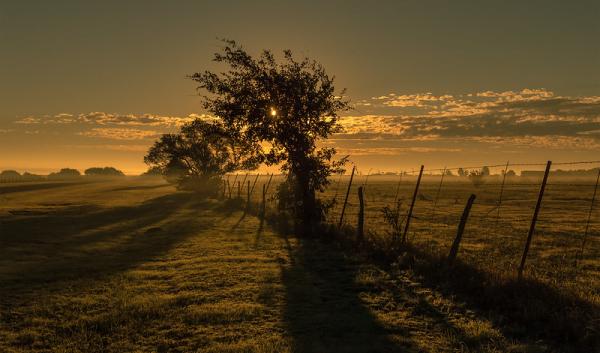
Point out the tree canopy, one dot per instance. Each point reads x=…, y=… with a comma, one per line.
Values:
x=106, y=171
x=200, y=154
x=65, y=173
x=283, y=108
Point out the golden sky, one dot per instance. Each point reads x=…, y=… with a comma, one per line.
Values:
x=438, y=83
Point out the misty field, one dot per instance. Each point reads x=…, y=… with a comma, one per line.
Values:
x=134, y=265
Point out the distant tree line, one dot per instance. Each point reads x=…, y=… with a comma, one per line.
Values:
x=63, y=174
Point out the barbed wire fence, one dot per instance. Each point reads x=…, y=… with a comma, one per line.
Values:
x=564, y=237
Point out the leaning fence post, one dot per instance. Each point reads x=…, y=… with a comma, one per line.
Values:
x=398, y=187
x=412, y=206
x=461, y=229
x=254, y=184
x=244, y=180
x=233, y=184
x=346, y=199
x=239, y=190
x=264, y=201
x=587, y=225
x=534, y=219
x=501, y=193
x=248, y=200
x=224, y=188
x=269, y=182
x=437, y=194
x=361, y=215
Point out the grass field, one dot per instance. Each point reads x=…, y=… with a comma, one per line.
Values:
x=134, y=265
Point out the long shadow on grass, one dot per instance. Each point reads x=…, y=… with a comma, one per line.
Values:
x=527, y=309
x=82, y=242
x=36, y=186
x=323, y=312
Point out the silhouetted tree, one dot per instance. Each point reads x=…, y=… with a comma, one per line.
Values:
x=106, y=171
x=9, y=175
x=153, y=171
x=65, y=173
x=461, y=172
x=485, y=171
x=198, y=156
x=284, y=108
x=31, y=177
x=477, y=177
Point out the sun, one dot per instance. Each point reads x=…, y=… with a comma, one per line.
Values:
x=273, y=112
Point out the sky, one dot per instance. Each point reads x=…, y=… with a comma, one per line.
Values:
x=440, y=83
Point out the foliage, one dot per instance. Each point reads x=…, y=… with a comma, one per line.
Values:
x=106, y=171
x=477, y=177
x=391, y=216
x=153, y=171
x=197, y=156
x=9, y=175
x=65, y=173
x=284, y=108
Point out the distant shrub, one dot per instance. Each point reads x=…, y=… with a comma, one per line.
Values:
x=106, y=171
x=153, y=171
x=391, y=216
x=9, y=175
x=31, y=177
x=65, y=173
x=477, y=177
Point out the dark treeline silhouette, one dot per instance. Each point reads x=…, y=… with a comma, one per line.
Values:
x=106, y=171
x=12, y=176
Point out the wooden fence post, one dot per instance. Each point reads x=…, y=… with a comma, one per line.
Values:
x=346, y=199
x=244, y=180
x=361, y=215
x=224, y=188
x=538, y=205
x=461, y=229
x=501, y=193
x=239, y=190
x=254, y=184
x=437, y=194
x=233, y=184
x=398, y=188
x=587, y=225
x=248, y=200
x=264, y=202
x=269, y=182
x=412, y=206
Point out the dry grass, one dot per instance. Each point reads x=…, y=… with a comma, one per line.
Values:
x=136, y=266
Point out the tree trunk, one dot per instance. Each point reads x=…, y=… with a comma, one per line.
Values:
x=305, y=207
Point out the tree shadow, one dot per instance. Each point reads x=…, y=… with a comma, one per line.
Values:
x=323, y=312
x=85, y=242
x=140, y=187
x=524, y=309
x=35, y=186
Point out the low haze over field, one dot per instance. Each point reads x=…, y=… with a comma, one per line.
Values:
x=439, y=83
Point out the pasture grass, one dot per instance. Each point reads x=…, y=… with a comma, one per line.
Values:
x=133, y=265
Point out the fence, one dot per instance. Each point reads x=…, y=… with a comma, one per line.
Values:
x=563, y=239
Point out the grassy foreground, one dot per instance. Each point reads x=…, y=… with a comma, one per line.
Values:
x=133, y=265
